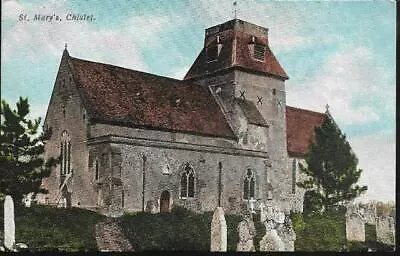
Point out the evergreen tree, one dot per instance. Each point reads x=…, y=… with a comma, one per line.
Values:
x=22, y=166
x=331, y=170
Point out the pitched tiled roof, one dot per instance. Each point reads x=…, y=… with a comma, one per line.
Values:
x=235, y=53
x=300, y=124
x=132, y=98
x=251, y=112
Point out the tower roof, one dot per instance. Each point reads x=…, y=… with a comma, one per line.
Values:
x=236, y=39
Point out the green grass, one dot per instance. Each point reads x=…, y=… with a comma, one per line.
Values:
x=47, y=228
x=326, y=232
x=180, y=230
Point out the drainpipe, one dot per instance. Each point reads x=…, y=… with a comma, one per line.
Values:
x=219, y=183
x=144, y=180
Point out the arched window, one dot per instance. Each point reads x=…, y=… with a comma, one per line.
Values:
x=187, y=182
x=65, y=152
x=249, y=185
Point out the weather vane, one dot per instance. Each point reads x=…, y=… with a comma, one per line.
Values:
x=65, y=46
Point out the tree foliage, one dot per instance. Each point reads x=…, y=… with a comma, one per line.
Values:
x=22, y=165
x=331, y=170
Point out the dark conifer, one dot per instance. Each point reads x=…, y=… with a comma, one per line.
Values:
x=22, y=165
x=331, y=169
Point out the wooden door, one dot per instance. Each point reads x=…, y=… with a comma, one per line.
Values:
x=164, y=201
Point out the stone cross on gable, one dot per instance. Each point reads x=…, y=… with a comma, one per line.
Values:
x=235, y=9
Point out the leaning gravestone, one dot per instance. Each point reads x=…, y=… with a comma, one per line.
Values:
x=219, y=240
x=9, y=224
x=246, y=232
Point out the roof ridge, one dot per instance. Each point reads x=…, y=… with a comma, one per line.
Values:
x=134, y=70
x=307, y=110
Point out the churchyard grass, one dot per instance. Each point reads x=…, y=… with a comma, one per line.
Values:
x=325, y=232
x=181, y=230
x=52, y=229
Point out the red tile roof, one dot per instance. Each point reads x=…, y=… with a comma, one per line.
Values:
x=300, y=124
x=132, y=98
x=235, y=53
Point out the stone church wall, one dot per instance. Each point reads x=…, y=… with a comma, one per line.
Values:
x=273, y=107
x=297, y=198
x=65, y=97
x=163, y=166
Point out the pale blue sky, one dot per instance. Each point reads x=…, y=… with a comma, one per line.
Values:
x=336, y=53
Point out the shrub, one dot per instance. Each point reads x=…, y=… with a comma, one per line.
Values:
x=298, y=222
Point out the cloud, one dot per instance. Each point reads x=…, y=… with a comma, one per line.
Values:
x=287, y=23
x=376, y=154
x=119, y=46
x=348, y=81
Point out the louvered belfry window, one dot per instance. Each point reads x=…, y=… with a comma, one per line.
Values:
x=212, y=53
x=259, y=51
x=187, y=182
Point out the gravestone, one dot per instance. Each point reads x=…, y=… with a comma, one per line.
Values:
x=276, y=230
x=385, y=230
x=287, y=234
x=370, y=214
x=219, y=240
x=271, y=242
x=9, y=224
x=251, y=205
x=27, y=199
x=355, y=227
x=151, y=207
x=246, y=232
x=262, y=212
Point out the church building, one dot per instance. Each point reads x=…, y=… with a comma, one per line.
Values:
x=131, y=141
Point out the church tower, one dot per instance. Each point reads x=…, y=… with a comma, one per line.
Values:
x=238, y=66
